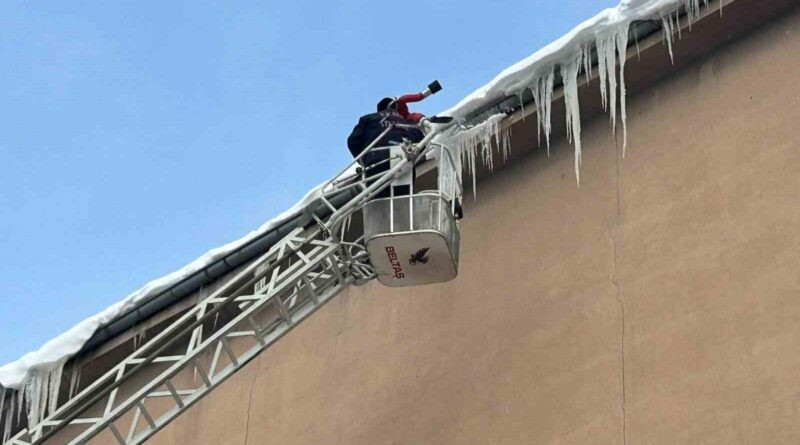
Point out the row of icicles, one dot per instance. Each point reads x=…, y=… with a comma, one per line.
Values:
x=39, y=397
x=611, y=47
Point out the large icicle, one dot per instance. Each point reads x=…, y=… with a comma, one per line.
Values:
x=693, y=11
x=622, y=49
x=587, y=62
x=54, y=387
x=666, y=27
x=19, y=402
x=569, y=72
x=3, y=393
x=9, y=416
x=74, y=379
x=607, y=69
x=41, y=392
x=542, y=91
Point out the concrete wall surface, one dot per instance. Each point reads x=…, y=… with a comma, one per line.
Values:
x=657, y=303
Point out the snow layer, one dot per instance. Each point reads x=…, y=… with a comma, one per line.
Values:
x=37, y=375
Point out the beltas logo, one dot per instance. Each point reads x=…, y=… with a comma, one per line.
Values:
x=419, y=257
x=392, y=255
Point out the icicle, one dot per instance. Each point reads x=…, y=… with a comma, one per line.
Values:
x=36, y=394
x=602, y=72
x=471, y=148
x=678, y=25
x=54, y=387
x=3, y=392
x=622, y=50
x=506, y=144
x=32, y=395
x=587, y=62
x=20, y=402
x=140, y=338
x=74, y=378
x=449, y=169
x=693, y=11
x=467, y=142
x=607, y=68
x=542, y=90
x=41, y=393
x=666, y=26
x=569, y=72
x=9, y=423
x=522, y=105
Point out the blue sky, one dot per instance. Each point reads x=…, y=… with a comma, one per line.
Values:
x=135, y=136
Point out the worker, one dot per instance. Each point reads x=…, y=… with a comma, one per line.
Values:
x=389, y=112
x=392, y=112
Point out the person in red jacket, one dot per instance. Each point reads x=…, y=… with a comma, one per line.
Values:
x=390, y=112
x=371, y=126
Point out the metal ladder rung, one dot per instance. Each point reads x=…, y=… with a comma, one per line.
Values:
x=164, y=359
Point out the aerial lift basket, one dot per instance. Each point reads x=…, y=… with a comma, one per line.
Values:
x=414, y=239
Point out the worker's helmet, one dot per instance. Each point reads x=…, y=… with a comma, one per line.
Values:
x=385, y=103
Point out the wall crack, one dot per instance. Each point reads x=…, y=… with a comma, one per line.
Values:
x=620, y=302
x=249, y=407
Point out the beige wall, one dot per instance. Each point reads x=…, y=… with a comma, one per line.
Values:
x=659, y=302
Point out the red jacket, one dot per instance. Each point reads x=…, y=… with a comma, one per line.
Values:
x=402, y=108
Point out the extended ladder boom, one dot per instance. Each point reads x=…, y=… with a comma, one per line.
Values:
x=222, y=333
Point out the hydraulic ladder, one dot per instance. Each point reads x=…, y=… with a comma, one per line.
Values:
x=222, y=333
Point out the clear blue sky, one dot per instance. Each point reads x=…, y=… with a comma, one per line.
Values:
x=134, y=136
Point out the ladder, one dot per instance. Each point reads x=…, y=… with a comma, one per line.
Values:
x=218, y=336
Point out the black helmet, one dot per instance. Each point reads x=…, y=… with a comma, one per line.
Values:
x=384, y=103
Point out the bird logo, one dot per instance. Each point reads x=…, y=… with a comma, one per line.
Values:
x=419, y=257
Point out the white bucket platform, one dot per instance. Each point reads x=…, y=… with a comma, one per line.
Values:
x=412, y=240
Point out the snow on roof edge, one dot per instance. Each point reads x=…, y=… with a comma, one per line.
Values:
x=517, y=77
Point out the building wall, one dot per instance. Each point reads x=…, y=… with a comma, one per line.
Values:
x=657, y=303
